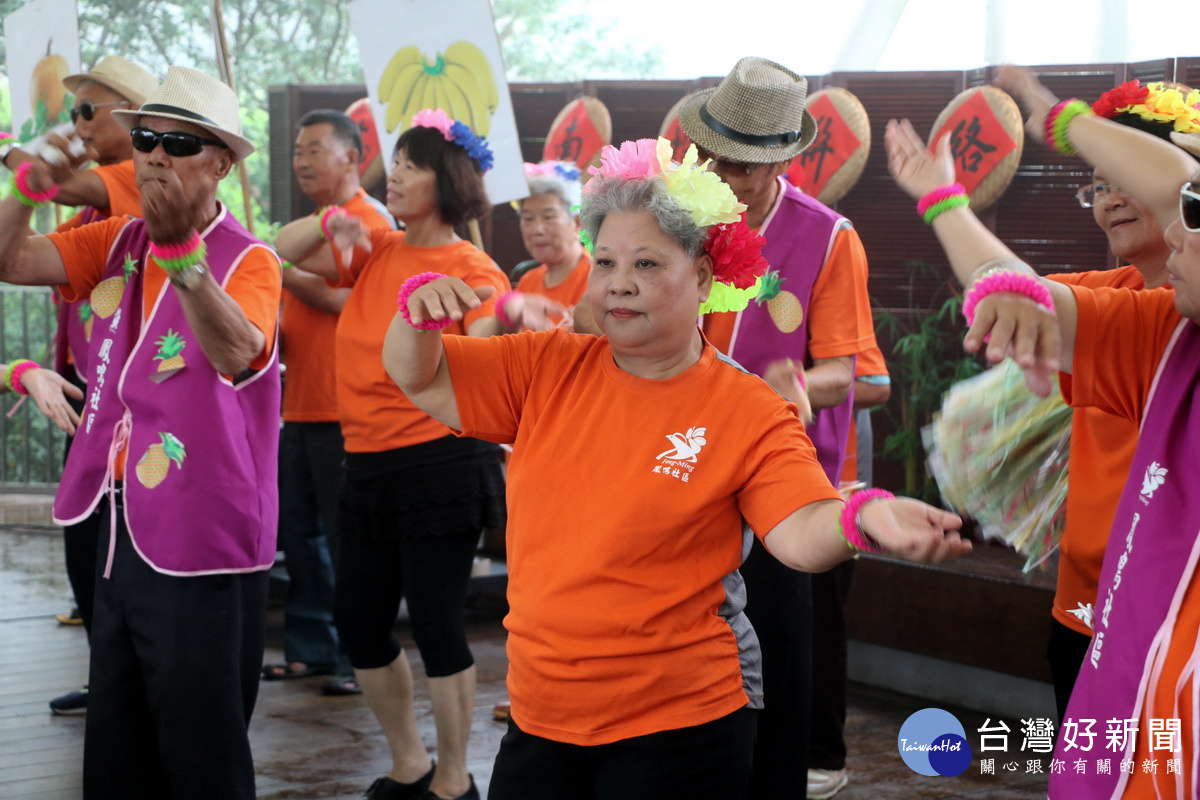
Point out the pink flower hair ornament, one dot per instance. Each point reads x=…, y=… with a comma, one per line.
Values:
x=736, y=250
x=458, y=133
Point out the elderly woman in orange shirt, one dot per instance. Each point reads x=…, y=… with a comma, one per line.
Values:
x=632, y=666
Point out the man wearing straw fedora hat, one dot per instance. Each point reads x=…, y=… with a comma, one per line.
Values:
x=176, y=449
x=812, y=317
x=107, y=189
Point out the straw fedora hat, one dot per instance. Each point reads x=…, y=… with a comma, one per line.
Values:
x=187, y=95
x=124, y=77
x=756, y=115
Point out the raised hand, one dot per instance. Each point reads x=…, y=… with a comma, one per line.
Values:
x=533, y=312
x=50, y=391
x=914, y=530
x=347, y=232
x=1037, y=100
x=171, y=214
x=915, y=170
x=445, y=298
x=1014, y=325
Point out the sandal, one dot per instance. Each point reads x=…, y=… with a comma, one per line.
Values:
x=341, y=685
x=283, y=672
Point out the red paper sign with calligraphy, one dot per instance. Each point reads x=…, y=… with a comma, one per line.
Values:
x=835, y=142
x=977, y=140
x=678, y=139
x=360, y=112
x=574, y=139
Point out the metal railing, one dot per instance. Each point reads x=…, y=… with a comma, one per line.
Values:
x=31, y=448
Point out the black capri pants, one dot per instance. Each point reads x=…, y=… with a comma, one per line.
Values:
x=408, y=525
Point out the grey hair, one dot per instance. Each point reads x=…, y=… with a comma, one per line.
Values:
x=608, y=195
x=568, y=192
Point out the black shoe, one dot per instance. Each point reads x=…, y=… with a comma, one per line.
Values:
x=387, y=789
x=341, y=686
x=71, y=702
x=470, y=794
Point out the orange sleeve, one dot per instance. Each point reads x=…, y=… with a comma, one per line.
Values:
x=839, y=313
x=870, y=362
x=119, y=180
x=84, y=251
x=491, y=381
x=256, y=286
x=1120, y=336
x=484, y=272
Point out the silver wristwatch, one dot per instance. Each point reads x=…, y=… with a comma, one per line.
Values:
x=188, y=278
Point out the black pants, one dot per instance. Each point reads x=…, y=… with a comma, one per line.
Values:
x=709, y=760
x=174, y=677
x=1066, y=649
x=827, y=747
x=79, y=541
x=431, y=572
x=779, y=605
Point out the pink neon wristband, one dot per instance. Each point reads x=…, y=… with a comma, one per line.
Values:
x=22, y=179
x=938, y=195
x=406, y=290
x=173, y=250
x=1006, y=281
x=19, y=370
x=856, y=538
x=328, y=213
x=500, y=313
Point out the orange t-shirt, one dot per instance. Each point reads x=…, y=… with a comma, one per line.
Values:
x=569, y=292
x=124, y=198
x=616, y=552
x=869, y=363
x=839, y=310
x=254, y=284
x=1120, y=338
x=307, y=341
x=375, y=414
x=1102, y=448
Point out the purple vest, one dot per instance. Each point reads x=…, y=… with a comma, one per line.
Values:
x=1148, y=566
x=200, y=471
x=74, y=333
x=799, y=236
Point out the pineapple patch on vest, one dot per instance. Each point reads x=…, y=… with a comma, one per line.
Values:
x=107, y=294
x=170, y=346
x=154, y=465
x=680, y=459
x=784, y=307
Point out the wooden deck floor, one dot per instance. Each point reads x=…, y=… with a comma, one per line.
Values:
x=310, y=746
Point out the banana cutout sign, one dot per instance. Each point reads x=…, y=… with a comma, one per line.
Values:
x=418, y=56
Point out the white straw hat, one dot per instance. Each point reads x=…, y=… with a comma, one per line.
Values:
x=191, y=96
x=124, y=77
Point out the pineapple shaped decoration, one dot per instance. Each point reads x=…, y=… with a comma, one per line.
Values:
x=87, y=317
x=168, y=356
x=783, y=306
x=152, y=467
x=106, y=297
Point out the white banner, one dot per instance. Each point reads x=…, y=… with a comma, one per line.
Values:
x=42, y=38
x=420, y=54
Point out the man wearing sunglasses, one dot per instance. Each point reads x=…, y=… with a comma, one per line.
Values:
x=107, y=189
x=1135, y=354
x=176, y=450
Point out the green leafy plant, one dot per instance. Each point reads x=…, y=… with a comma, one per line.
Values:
x=922, y=368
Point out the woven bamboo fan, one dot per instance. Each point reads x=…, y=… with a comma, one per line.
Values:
x=829, y=167
x=987, y=139
x=578, y=133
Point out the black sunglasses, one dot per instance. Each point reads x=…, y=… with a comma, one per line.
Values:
x=87, y=109
x=175, y=144
x=1189, y=206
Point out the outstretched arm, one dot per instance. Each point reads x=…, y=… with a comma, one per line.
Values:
x=809, y=539
x=416, y=360
x=26, y=258
x=303, y=243
x=50, y=391
x=1041, y=342
x=1145, y=166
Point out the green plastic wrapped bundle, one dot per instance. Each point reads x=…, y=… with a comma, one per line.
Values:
x=999, y=454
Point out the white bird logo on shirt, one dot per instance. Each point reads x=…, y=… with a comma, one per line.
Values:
x=686, y=445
